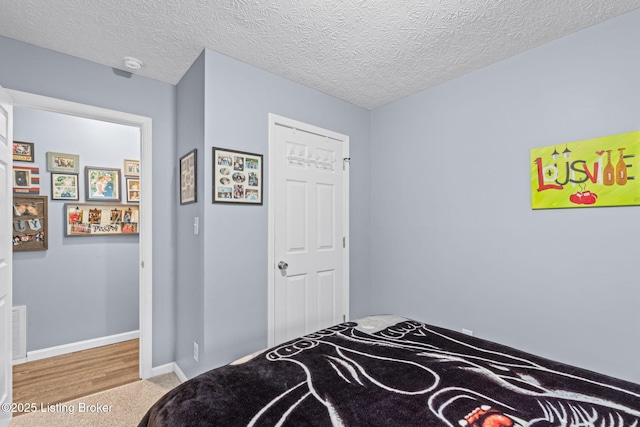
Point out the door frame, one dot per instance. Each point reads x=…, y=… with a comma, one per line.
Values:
x=6, y=300
x=271, y=262
x=38, y=102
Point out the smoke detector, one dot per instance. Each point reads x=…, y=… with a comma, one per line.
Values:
x=132, y=64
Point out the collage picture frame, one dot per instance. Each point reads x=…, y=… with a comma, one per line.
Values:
x=189, y=177
x=132, y=185
x=237, y=177
x=101, y=219
x=30, y=223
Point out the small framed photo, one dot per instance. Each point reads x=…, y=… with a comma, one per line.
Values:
x=63, y=162
x=64, y=186
x=23, y=151
x=188, y=178
x=133, y=189
x=26, y=180
x=102, y=184
x=131, y=167
x=237, y=177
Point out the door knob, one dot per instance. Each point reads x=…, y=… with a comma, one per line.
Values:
x=283, y=265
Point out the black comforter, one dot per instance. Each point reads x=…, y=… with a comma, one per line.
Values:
x=390, y=371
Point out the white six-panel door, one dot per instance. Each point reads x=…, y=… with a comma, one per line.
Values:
x=309, y=232
x=6, y=253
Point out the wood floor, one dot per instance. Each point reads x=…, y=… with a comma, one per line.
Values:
x=70, y=376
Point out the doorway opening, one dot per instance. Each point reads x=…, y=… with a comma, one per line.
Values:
x=144, y=255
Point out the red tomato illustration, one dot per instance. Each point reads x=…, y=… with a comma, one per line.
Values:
x=583, y=198
x=576, y=198
x=589, y=198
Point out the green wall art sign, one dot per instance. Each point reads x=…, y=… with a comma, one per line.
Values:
x=589, y=173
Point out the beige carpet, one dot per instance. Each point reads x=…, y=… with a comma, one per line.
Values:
x=123, y=406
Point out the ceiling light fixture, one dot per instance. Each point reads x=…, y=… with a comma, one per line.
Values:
x=131, y=63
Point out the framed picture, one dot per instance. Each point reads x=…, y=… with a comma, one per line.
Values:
x=64, y=186
x=188, y=178
x=102, y=184
x=26, y=180
x=133, y=189
x=101, y=219
x=30, y=223
x=131, y=167
x=23, y=151
x=63, y=162
x=237, y=177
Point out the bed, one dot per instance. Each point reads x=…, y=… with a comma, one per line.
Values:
x=396, y=372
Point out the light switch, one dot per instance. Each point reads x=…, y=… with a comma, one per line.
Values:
x=196, y=225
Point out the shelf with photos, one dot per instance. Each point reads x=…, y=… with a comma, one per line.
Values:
x=101, y=219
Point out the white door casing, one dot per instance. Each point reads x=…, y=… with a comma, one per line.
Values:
x=308, y=229
x=29, y=100
x=6, y=255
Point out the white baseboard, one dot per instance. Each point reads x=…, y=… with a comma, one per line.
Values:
x=78, y=346
x=167, y=369
x=162, y=369
x=181, y=376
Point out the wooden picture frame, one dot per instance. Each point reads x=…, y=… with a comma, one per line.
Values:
x=132, y=186
x=189, y=177
x=131, y=167
x=237, y=177
x=101, y=219
x=102, y=184
x=23, y=151
x=64, y=186
x=63, y=162
x=30, y=223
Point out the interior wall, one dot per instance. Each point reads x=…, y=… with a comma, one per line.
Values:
x=40, y=71
x=457, y=243
x=94, y=279
x=191, y=260
x=237, y=101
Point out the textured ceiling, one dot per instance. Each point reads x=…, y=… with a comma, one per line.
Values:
x=367, y=52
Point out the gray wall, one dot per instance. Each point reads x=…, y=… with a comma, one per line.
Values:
x=31, y=69
x=454, y=240
x=93, y=279
x=190, y=262
x=237, y=101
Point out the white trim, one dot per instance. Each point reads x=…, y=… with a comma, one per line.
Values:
x=29, y=100
x=169, y=368
x=6, y=294
x=81, y=345
x=279, y=120
x=181, y=376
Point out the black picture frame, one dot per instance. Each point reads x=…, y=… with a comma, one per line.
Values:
x=23, y=151
x=189, y=177
x=65, y=186
x=237, y=177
